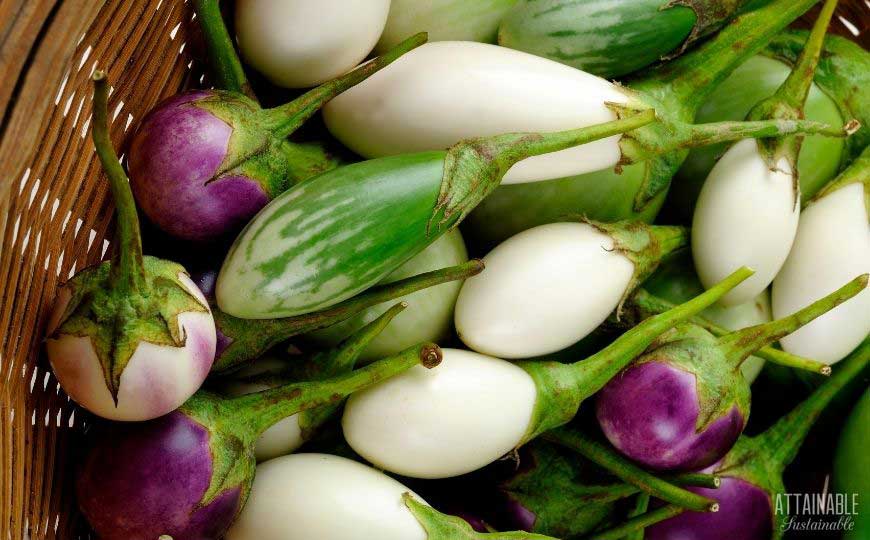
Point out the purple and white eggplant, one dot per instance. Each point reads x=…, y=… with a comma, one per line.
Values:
x=187, y=474
x=751, y=474
x=436, y=433
x=549, y=287
x=131, y=338
x=204, y=162
x=683, y=404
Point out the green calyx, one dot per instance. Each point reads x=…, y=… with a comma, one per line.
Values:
x=130, y=299
x=440, y=526
x=843, y=73
x=561, y=388
x=117, y=321
x=474, y=168
x=788, y=101
x=250, y=338
x=718, y=381
x=642, y=244
x=258, y=148
x=235, y=424
x=641, y=305
x=710, y=15
x=761, y=460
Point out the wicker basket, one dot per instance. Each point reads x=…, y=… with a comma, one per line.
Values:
x=55, y=213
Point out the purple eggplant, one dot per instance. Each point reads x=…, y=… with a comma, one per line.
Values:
x=683, y=404
x=187, y=474
x=131, y=338
x=204, y=162
x=752, y=472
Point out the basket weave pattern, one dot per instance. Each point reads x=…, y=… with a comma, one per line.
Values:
x=55, y=213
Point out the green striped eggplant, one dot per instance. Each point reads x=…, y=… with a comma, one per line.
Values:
x=443, y=20
x=841, y=92
x=335, y=235
x=611, y=38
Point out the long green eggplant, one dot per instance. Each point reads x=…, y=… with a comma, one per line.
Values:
x=339, y=233
x=841, y=92
x=611, y=38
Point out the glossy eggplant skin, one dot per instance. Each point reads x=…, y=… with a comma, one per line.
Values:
x=610, y=38
x=852, y=462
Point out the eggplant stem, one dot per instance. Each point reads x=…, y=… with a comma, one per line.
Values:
x=629, y=472
x=285, y=119
x=128, y=269
x=641, y=506
x=784, y=439
x=594, y=372
x=796, y=88
x=857, y=173
x=225, y=64
x=645, y=304
x=637, y=523
x=261, y=410
x=687, y=81
x=717, y=132
x=743, y=343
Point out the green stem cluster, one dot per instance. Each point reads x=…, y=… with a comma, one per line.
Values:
x=643, y=304
x=743, y=343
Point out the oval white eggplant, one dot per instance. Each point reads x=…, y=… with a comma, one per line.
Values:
x=441, y=93
x=302, y=43
x=324, y=497
x=157, y=378
x=831, y=248
x=443, y=20
x=543, y=290
x=429, y=315
x=285, y=436
x=442, y=422
x=747, y=215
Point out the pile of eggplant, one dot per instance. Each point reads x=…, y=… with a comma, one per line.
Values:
x=432, y=273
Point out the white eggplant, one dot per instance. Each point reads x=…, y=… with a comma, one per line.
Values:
x=302, y=43
x=549, y=287
x=747, y=215
x=324, y=497
x=441, y=93
x=453, y=419
x=832, y=246
x=443, y=20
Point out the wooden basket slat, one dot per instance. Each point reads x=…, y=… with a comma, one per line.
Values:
x=40, y=45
